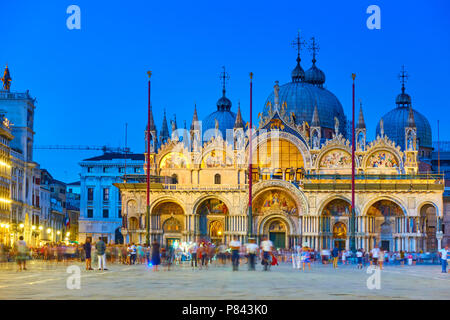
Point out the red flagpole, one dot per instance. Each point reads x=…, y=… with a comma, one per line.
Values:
x=148, y=162
x=250, y=214
x=352, y=236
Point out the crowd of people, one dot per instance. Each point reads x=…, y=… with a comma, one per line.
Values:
x=204, y=253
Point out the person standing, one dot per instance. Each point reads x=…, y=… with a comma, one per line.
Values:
x=22, y=252
x=235, y=245
x=133, y=251
x=101, y=254
x=359, y=257
x=444, y=256
x=252, y=250
x=156, y=258
x=335, y=255
x=266, y=246
x=375, y=255
x=193, y=251
x=381, y=259
x=306, y=258
x=87, y=251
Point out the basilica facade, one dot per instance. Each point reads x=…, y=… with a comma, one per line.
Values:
x=301, y=175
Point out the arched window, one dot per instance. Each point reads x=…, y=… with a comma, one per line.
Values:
x=217, y=179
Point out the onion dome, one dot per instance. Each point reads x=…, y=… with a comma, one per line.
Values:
x=314, y=75
x=298, y=74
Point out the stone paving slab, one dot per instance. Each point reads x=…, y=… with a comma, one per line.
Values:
x=48, y=281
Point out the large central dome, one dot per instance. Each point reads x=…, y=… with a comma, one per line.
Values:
x=302, y=97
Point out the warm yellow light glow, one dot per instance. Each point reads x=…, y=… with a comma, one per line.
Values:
x=219, y=232
x=5, y=200
x=33, y=227
x=40, y=227
x=2, y=225
x=2, y=163
x=7, y=226
x=67, y=234
x=49, y=230
x=58, y=232
x=21, y=225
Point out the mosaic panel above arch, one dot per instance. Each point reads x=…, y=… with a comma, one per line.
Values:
x=274, y=200
x=382, y=159
x=336, y=158
x=174, y=160
x=216, y=159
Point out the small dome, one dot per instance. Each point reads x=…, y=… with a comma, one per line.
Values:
x=226, y=120
x=315, y=76
x=223, y=103
x=395, y=122
x=298, y=74
x=403, y=99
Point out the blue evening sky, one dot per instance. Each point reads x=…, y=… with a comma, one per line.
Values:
x=90, y=82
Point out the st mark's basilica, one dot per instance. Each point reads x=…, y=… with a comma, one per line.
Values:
x=301, y=174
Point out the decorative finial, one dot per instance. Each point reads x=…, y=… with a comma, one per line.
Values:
x=6, y=79
x=353, y=76
x=298, y=43
x=403, y=76
x=149, y=73
x=314, y=48
x=224, y=76
x=251, y=76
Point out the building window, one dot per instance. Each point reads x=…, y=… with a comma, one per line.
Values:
x=105, y=213
x=122, y=170
x=90, y=169
x=105, y=169
x=106, y=194
x=137, y=170
x=120, y=213
x=90, y=213
x=217, y=179
x=90, y=194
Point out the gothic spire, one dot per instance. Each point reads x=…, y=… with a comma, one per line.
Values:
x=361, y=124
x=164, y=135
x=194, y=119
x=239, y=123
x=315, y=119
x=152, y=121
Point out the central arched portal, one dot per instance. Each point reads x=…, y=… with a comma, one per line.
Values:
x=333, y=224
x=168, y=219
x=210, y=220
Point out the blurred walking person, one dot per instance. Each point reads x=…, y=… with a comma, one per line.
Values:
x=235, y=245
x=101, y=254
x=252, y=251
x=22, y=254
x=87, y=251
x=156, y=258
x=266, y=246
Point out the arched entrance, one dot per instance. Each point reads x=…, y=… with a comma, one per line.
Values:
x=168, y=222
x=216, y=231
x=333, y=223
x=428, y=228
x=386, y=218
x=340, y=235
x=210, y=220
x=277, y=233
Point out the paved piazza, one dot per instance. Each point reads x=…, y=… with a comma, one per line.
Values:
x=48, y=281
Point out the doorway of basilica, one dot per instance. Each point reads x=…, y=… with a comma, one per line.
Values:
x=210, y=220
x=277, y=233
x=340, y=235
